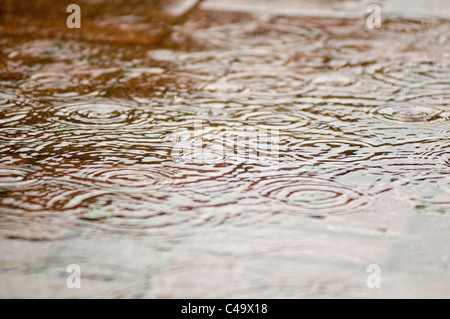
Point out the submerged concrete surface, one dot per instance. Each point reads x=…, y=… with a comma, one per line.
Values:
x=88, y=175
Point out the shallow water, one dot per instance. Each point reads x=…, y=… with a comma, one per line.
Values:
x=91, y=169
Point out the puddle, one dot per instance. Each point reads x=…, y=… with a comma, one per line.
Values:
x=223, y=124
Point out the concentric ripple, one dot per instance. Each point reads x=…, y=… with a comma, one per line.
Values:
x=423, y=74
x=139, y=177
x=276, y=36
x=101, y=115
x=407, y=113
x=15, y=178
x=348, y=85
x=42, y=81
x=125, y=177
x=258, y=84
x=310, y=196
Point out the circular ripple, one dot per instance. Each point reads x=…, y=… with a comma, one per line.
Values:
x=331, y=80
x=311, y=196
x=13, y=178
x=43, y=81
x=424, y=74
x=409, y=114
x=51, y=195
x=140, y=176
x=101, y=115
x=125, y=177
x=420, y=80
x=258, y=83
x=334, y=151
x=347, y=84
x=250, y=34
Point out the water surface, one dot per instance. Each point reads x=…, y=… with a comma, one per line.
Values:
x=89, y=172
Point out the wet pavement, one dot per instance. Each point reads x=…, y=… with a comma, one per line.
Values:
x=94, y=172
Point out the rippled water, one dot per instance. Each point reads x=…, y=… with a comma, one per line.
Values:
x=88, y=130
